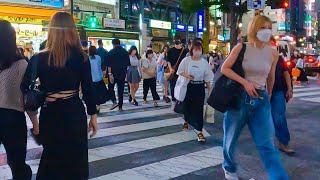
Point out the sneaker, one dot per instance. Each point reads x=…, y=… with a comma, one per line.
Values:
x=120, y=109
x=130, y=98
x=229, y=175
x=156, y=104
x=135, y=102
x=185, y=127
x=145, y=101
x=201, y=137
x=114, y=106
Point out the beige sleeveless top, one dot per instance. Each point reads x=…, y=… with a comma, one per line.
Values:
x=257, y=64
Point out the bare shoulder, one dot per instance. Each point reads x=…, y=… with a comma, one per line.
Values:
x=236, y=50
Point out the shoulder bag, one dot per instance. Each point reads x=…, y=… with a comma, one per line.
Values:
x=33, y=98
x=167, y=73
x=226, y=93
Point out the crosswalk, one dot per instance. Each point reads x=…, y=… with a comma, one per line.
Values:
x=305, y=93
x=142, y=142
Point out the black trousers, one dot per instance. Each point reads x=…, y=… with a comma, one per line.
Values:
x=172, y=83
x=150, y=84
x=120, y=85
x=63, y=133
x=194, y=102
x=13, y=135
x=303, y=76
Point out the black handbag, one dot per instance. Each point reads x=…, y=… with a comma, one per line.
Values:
x=103, y=95
x=226, y=93
x=179, y=107
x=33, y=98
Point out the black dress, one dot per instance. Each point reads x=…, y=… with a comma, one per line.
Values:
x=63, y=123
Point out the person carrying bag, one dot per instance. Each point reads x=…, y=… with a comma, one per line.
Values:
x=225, y=91
x=168, y=75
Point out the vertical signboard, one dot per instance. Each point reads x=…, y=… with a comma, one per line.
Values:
x=200, y=18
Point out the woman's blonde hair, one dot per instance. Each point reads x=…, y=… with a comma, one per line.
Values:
x=62, y=39
x=256, y=24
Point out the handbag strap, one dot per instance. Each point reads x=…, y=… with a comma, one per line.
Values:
x=178, y=60
x=34, y=71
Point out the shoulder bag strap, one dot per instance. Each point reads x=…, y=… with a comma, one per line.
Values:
x=34, y=71
x=178, y=60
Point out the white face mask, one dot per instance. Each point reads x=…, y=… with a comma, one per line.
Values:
x=197, y=54
x=264, y=35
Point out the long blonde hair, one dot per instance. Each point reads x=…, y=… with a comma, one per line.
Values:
x=62, y=38
x=256, y=24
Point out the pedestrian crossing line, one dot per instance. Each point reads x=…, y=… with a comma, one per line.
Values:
x=306, y=94
x=121, y=149
x=137, y=127
x=306, y=89
x=125, y=117
x=170, y=168
x=121, y=130
x=314, y=99
x=105, y=108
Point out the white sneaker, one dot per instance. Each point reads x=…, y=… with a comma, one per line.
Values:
x=229, y=175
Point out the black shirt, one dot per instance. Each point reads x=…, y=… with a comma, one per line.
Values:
x=76, y=71
x=173, y=55
x=280, y=83
x=118, y=59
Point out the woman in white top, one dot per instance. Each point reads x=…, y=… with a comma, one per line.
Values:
x=300, y=65
x=199, y=72
x=133, y=74
x=149, y=71
x=253, y=105
x=162, y=62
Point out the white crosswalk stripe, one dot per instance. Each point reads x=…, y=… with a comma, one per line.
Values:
x=137, y=131
x=305, y=93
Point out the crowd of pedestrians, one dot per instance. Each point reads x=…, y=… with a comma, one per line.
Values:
x=65, y=65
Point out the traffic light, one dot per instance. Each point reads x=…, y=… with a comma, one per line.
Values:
x=279, y=4
x=92, y=21
x=173, y=32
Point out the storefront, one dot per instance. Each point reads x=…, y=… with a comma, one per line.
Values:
x=30, y=20
x=127, y=39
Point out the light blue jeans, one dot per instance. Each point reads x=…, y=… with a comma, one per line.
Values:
x=256, y=113
x=278, y=105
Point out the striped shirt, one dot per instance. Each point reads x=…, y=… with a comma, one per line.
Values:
x=10, y=79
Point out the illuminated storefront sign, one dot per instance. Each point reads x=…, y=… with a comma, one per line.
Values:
x=21, y=20
x=180, y=27
x=160, y=24
x=111, y=2
x=49, y=3
x=200, y=21
x=114, y=23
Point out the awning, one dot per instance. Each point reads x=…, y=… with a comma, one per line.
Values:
x=27, y=12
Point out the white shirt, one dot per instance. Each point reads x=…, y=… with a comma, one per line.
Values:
x=134, y=61
x=161, y=60
x=201, y=70
x=150, y=66
x=300, y=63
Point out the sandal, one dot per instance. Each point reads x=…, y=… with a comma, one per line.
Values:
x=201, y=137
x=185, y=127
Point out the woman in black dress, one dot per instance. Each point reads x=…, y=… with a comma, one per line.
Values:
x=62, y=67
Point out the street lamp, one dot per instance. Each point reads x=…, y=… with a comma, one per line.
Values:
x=240, y=25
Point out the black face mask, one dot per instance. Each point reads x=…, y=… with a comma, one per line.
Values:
x=177, y=42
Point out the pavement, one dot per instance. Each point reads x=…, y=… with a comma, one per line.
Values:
x=147, y=142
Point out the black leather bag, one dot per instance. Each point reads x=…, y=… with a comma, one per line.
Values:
x=226, y=93
x=33, y=97
x=179, y=107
